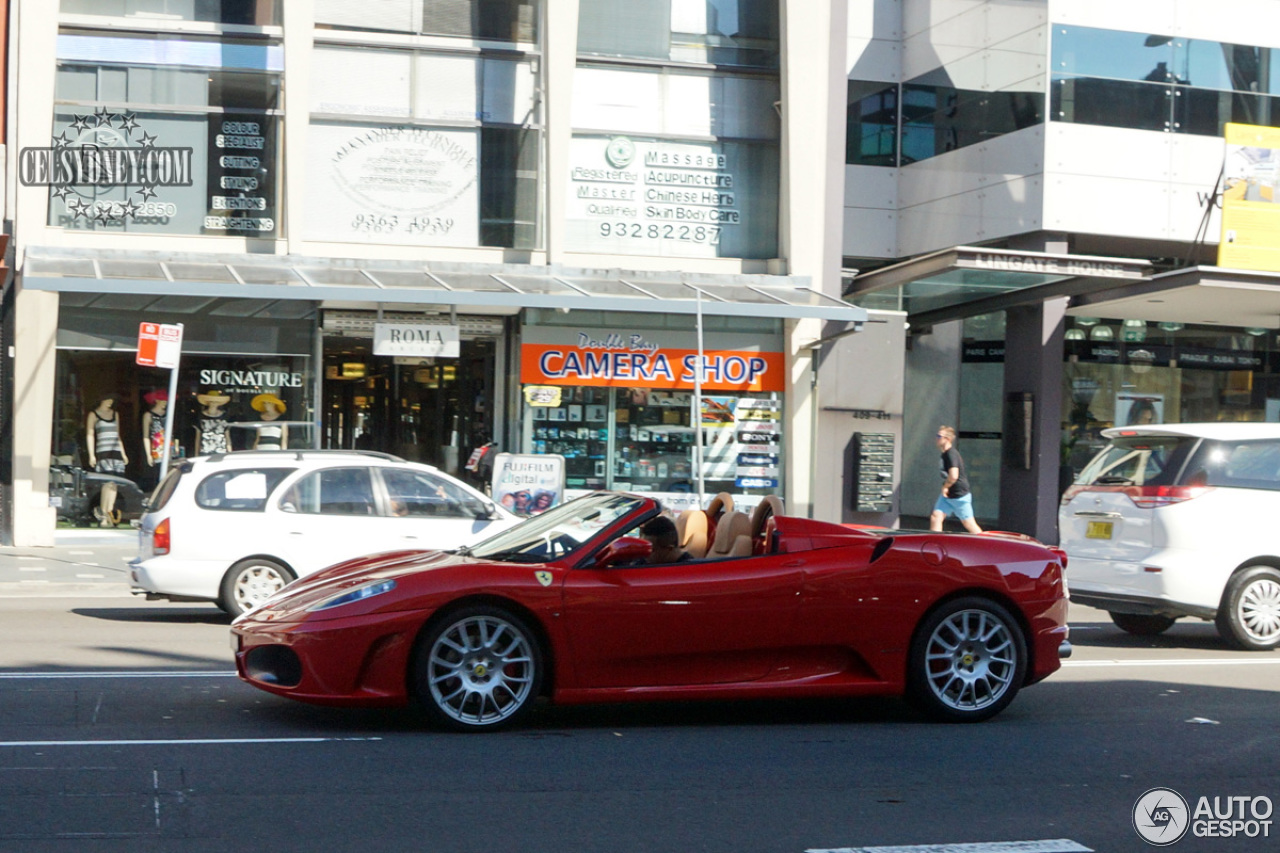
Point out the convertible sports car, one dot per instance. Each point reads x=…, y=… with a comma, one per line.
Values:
x=566, y=605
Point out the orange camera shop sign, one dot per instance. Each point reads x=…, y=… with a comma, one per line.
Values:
x=629, y=361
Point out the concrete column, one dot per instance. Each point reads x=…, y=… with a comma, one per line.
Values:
x=36, y=327
x=299, y=41
x=559, y=59
x=1033, y=364
x=814, y=42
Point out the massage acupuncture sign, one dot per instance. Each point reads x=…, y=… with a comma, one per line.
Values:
x=636, y=196
x=114, y=170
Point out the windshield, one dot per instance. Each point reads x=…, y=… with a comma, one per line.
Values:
x=557, y=532
x=1149, y=460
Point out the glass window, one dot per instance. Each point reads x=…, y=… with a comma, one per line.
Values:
x=245, y=490
x=417, y=494
x=716, y=32
x=941, y=118
x=1139, y=461
x=335, y=491
x=1239, y=464
x=251, y=12
x=164, y=134
x=872, y=124
x=491, y=20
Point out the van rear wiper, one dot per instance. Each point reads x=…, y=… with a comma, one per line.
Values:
x=1114, y=480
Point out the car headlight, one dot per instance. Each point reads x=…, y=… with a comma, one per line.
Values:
x=360, y=593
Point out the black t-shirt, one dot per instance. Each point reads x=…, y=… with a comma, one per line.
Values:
x=952, y=459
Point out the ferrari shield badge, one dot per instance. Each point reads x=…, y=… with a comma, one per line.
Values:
x=544, y=578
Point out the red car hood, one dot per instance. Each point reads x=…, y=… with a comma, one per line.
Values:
x=291, y=604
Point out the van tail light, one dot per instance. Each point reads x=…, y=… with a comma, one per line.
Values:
x=1154, y=497
x=160, y=538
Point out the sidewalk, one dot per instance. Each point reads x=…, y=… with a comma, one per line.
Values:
x=82, y=562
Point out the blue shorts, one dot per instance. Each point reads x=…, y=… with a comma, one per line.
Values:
x=961, y=508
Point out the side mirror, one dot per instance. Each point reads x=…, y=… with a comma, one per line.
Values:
x=624, y=550
x=486, y=512
x=288, y=507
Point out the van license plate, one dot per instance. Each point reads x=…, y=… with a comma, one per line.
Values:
x=1099, y=530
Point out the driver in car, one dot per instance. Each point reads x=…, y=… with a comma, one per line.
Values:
x=661, y=533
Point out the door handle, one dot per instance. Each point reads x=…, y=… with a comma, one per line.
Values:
x=791, y=564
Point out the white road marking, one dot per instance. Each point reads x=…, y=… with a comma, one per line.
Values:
x=118, y=674
x=80, y=553
x=1174, y=662
x=195, y=742
x=91, y=576
x=1055, y=845
x=33, y=568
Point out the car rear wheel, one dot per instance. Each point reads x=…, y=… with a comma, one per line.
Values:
x=1249, y=617
x=1142, y=625
x=478, y=669
x=968, y=659
x=250, y=582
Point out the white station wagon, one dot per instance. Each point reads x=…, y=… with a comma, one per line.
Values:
x=234, y=528
x=1177, y=520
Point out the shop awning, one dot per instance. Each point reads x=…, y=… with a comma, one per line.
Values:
x=1211, y=295
x=478, y=288
x=967, y=281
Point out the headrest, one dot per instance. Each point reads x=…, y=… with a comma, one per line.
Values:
x=719, y=505
x=733, y=525
x=770, y=505
x=691, y=526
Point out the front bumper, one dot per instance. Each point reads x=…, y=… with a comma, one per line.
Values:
x=360, y=661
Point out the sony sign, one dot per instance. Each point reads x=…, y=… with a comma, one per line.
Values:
x=416, y=339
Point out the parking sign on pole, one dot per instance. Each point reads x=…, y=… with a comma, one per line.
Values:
x=160, y=345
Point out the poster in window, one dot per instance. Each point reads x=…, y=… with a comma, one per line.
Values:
x=393, y=185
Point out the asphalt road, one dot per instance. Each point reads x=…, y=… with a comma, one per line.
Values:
x=122, y=729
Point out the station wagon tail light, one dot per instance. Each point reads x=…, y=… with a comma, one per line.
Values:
x=1154, y=497
x=160, y=538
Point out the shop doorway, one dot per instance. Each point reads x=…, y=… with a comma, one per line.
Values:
x=432, y=410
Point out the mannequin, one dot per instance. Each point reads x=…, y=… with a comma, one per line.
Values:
x=153, y=432
x=270, y=436
x=106, y=453
x=211, y=427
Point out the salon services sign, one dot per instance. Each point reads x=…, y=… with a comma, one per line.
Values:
x=630, y=361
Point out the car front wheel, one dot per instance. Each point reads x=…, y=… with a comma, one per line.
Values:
x=968, y=660
x=250, y=582
x=478, y=669
x=1142, y=625
x=1249, y=617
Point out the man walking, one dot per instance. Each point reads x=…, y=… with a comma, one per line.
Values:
x=955, y=498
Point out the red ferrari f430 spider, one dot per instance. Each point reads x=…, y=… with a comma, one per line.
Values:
x=569, y=606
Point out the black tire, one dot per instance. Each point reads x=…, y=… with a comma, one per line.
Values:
x=250, y=582
x=968, y=661
x=1249, y=616
x=1142, y=625
x=478, y=668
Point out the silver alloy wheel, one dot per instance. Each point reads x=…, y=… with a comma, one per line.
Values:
x=255, y=584
x=970, y=660
x=1258, y=610
x=481, y=670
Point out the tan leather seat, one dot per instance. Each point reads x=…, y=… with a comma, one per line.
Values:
x=770, y=507
x=733, y=536
x=692, y=528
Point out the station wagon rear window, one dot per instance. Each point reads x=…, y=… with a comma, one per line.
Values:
x=1147, y=460
x=242, y=490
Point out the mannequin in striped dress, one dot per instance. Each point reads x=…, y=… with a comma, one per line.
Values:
x=106, y=453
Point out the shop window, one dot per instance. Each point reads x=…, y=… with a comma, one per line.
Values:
x=490, y=20
x=717, y=32
x=163, y=134
x=248, y=12
x=454, y=163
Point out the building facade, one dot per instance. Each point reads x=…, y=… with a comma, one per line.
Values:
x=1038, y=184
x=421, y=225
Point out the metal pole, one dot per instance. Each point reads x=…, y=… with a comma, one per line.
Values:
x=697, y=410
x=168, y=411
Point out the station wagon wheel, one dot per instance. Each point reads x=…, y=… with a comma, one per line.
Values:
x=250, y=582
x=1142, y=625
x=480, y=668
x=1249, y=617
x=968, y=661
